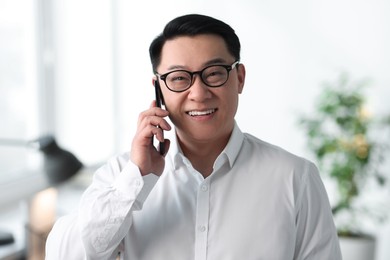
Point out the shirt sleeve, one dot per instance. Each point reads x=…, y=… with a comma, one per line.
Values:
x=104, y=215
x=316, y=233
x=65, y=229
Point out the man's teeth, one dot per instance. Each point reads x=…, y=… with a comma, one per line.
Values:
x=201, y=113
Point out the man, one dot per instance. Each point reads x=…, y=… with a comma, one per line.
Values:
x=214, y=193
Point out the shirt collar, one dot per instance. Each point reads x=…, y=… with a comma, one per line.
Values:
x=230, y=152
x=234, y=145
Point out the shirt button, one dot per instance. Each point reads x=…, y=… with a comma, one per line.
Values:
x=202, y=228
x=204, y=187
x=137, y=183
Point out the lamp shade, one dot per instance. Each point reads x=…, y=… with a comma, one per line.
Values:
x=59, y=164
x=6, y=238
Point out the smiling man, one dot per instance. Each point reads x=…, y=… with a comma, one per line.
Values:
x=215, y=193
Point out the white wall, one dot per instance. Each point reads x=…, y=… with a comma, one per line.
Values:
x=289, y=48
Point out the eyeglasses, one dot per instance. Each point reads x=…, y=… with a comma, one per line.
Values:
x=212, y=76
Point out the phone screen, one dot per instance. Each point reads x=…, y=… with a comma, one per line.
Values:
x=159, y=102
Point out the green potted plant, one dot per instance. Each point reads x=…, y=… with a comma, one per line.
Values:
x=349, y=147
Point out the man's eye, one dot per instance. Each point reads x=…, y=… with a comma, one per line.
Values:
x=179, y=78
x=215, y=73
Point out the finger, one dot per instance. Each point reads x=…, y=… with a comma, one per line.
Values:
x=147, y=115
x=154, y=121
x=158, y=133
x=154, y=111
x=161, y=123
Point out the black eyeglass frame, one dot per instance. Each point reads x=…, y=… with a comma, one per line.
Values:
x=228, y=68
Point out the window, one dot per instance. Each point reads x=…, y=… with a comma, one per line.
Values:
x=55, y=77
x=18, y=83
x=19, y=100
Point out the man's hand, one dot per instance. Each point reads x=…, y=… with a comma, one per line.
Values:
x=150, y=123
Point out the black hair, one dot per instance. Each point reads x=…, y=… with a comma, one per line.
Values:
x=191, y=25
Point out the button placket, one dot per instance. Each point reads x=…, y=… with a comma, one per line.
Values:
x=202, y=215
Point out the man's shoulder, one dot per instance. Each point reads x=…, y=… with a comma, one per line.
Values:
x=263, y=149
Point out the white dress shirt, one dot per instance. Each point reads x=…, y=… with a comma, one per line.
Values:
x=260, y=202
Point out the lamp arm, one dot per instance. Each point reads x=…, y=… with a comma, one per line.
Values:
x=13, y=142
x=18, y=142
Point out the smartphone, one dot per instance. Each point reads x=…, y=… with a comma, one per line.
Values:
x=159, y=102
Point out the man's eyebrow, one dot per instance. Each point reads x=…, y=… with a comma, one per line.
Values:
x=208, y=63
x=215, y=61
x=176, y=67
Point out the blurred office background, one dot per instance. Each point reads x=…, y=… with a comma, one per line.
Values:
x=80, y=70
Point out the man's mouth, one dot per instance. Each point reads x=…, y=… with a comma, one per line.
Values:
x=201, y=113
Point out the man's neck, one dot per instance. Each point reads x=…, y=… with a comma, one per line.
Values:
x=202, y=155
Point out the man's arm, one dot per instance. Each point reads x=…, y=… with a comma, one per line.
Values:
x=104, y=215
x=316, y=233
x=106, y=206
x=118, y=188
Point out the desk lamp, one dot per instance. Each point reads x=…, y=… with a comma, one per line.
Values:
x=59, y=166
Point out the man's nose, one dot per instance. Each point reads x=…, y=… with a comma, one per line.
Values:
x=199, y=90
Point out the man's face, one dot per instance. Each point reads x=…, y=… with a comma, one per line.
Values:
x=201, y=113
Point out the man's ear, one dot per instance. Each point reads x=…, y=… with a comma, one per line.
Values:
x=241, y=77
x=154, y=80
